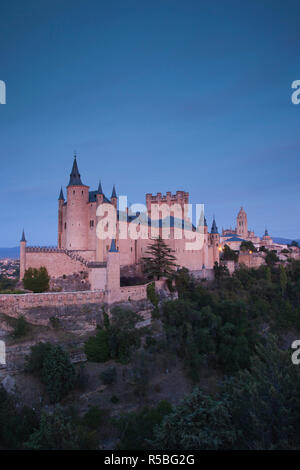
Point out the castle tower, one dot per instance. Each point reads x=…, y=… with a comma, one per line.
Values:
x=215, y=241
x=22, y=255
x=76, y=223
x=114, y=198
x=242, y=224
x=205, y=247
x=113, y=273
x=61, y=201
x=99, y=241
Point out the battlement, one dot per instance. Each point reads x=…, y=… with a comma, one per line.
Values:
x=44, y=249
x=181, y=197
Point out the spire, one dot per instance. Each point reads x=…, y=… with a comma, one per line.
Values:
x=205, y=223
x=113, y=194
x=61, y=195
x=266, y=233
x=23, y=239
x=214, y=228
x=113, y=248
x=75, y=175
x=100, y=188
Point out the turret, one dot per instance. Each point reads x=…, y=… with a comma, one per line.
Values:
x=61, y=201
x=100, y=245
x=76, y=218
x=22, y=255
x=113, y=273
x=114, y=198
x=215, y=241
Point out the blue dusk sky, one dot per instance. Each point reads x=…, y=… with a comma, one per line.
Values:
x=159, y=95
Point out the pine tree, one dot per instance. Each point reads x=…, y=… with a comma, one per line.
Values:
x=160, y=261
x=283, y=279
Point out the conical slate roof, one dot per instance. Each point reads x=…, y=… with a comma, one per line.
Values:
x=114, y=194
x=214, y=228
x=61, y=195
x=100, y=188
x=23, y=239
x=113, y=248
x=75, y=175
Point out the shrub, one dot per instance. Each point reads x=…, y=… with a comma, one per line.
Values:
x=151, y=294
x=109, y=375
x=59, y=431
x=96, y=347
x=36, y=280
x=16, y=422
x=21, y=327
x=54, y=322
x=138, y=427
x=94, y=417
x=53, y=367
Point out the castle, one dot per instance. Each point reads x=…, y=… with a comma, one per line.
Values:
x=87, y=243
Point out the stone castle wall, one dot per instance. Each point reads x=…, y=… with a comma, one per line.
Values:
x=17, y=304
x=57, y=263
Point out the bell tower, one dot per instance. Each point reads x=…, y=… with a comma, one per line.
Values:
x=242, y=224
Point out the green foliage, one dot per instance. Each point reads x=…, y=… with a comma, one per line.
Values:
x=198, y=423
x=159, y=262
x=136, y=428
x=220, y=271
x=257, y=409
x=59, y=431
x=94, y=417
x=114, y=399
x=96, y=347
x=118, y=338
x=36, y=280
x=123, y=336
x=54, y=322
x=247, y=246
x=53, y=367
x=271, y=258
x=16, y=423
x=109, y=375
x=283, y=279
x=8, y=285
x=21, y=327
x=228, y=254
x=151, y=294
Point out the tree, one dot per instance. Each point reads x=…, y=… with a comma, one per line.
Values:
x=96, y=347
x=220, y=271
x=258, y=409
x=271, y=258
x=36, y=280
x=123, y=336
x=283, y=279
x=247, y=246
x=198, y=423
x=53, y=367
x=294, y=243
x=137, y=427
x=21, y=327
x=160, y=261
x=58, y=431
x=228, y=254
